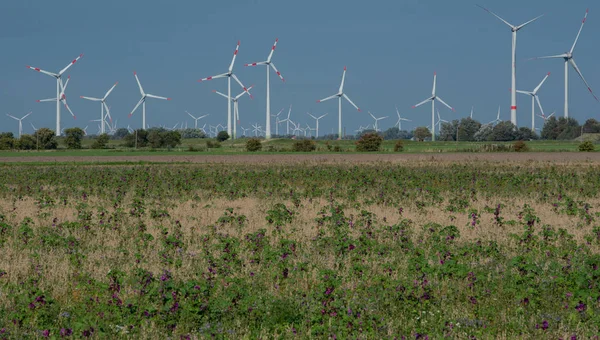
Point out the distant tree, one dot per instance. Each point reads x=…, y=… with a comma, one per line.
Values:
x=421, y=133
x=330, y=136
x=591, y=126
x=586, y=146
x=391, y=133
x=561, y=129
x=192, y=133
x=525, y=133
x=484, y=133
x=222, y=136
x=369, y=142
x=253, y=144
x=467, y=129
x=101, y=141
x=305, y=145
x=140, y=135
x=45, y=138
x=155, y=139
x=120, y=133
x=503, y=132
x=73, y=138
x=27, y=142
x=448, y=131
x=7, y=140
x=171, y=138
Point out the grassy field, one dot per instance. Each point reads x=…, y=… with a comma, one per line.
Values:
x=426, y=250
x=285, y=146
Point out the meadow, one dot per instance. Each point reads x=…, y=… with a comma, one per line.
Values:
x=420, y=250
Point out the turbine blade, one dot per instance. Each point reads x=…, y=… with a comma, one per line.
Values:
x=423, y=102
x=497, y=16
x=136, y=107
x=234, y=56
x=572, y=61
x=109, y=91
x=46, y=100
x=214, y=77
x=107, y=111
x=535, y=91
x=272, y=50
x=91, y=98
x=343, y=80
x=529, y=22
x=157, y=97
x=441, y=101
x=350, y=101
x=580, y=28
x=138, y=82
x=319, y=101
x=221, y=94
x=70, y=64
x=434, y=83
x=524, y=92
x=558, y=56
x=42, y=71
x=256, y=63
x=191, y=115
x=68, y=108
x=276, y=71
x=13, y=117
x=537, y=99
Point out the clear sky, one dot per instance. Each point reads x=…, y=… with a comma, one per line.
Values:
x=391, y=49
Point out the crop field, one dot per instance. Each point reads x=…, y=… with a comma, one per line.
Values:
x=419, y=249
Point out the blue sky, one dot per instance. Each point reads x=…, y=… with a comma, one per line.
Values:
x=391, y=49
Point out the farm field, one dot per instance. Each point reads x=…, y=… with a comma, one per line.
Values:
x=334, y=246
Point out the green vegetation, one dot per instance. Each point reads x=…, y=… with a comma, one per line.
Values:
x=369, y=142
x=275, y=251
x=253, y=144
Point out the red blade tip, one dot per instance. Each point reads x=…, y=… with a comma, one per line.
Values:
x=413, y=107
x=168, y=98
x=318, y=101
x=38, y=101
x=344, y=68
x=134, y=73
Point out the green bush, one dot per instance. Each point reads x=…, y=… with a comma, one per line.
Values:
x=586, y=146
x=520, y=146
x=399, y=146
x=222, y=136
x=305, y=145
x=213, y=144
x=253, y=144
x=369, y=142
x=74, y=137
x=101, y=141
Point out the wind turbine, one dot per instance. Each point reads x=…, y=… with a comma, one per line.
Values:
x=513, y=87
x=534, y=98
x=20, y=120
x=497, y=120
x=229, y=75
x=102, y=106
x=340, y=94
x=236, y=111
x=546, y=118
x=440, y=121
x=33, y=127
x=277, y=121
x=196, y=119
x=269, y=63
x=85, y=130
x=244, y=129
x=472, y=107
x=58, y=77
x=143, y=101
x=400, y=119
x=256, y=130
x=376, y=121
x=568, y=57
x=287, y=120
x=432, y=99
x=317, y=119
x=63, y=96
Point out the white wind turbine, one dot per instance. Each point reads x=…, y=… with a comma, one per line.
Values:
x=534, y=98
x=196, y=119
x=236, y=105
x=317, y=119
x=340, y=94
x=229, y=75
x=400, y=120
x=432, y=99
x=102, y=106
x=513, y=87
x=58, y=77
x=546, y=118
x=143, y=101
x=472, y=107
x=269, y=63
x=497, y=120
x=33, y=127
x=440, y=121
x=287, y=121
x=20, y=120
x=245, y=131
x=63, y=97
x=568, y=57
x=257, y=129
x=376, y=125
x=277, y=121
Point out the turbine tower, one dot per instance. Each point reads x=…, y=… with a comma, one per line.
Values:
x=229, y=75
x=236, y=112
x=534, y=98
x=20, y=120
x=513, y=87
x=196, y=119
x=340, y=94
x=317, y=119
x=63, y=96
x=269, y=63
x=102, y=106
x=143, y=101
x=400, y=119
x=58, y=77
x=568, y=57
x=432, y=99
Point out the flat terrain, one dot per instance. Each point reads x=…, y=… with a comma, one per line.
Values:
x=351, y=158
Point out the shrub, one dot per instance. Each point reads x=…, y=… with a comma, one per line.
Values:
x=222, y=136
x=337, y=148
x=305, y=145
x=213, y=144
x=399, y=146
x=27, y=142
x=253, y=144
x=586, y=146
x=101, y=141
x=369, y=142
x=520, y=146
x=74, y=137
x=196, y=148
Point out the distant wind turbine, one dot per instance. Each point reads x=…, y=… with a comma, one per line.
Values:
x=196, y=119
x=534, y=98
x=102, y=106
x=400, y=119
x=143, y=101
x=432, y=99
x=20, y=120
x=340, y=94
x=317, y=120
